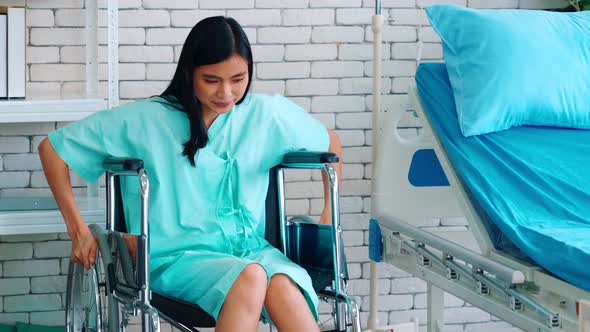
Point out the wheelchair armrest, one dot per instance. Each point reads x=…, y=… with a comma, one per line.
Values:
x=122, y=164
x=301, y=158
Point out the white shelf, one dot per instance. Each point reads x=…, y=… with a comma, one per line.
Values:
x=92, y=210
x=14, y=111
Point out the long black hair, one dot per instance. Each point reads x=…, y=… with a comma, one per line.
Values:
x=210, y=41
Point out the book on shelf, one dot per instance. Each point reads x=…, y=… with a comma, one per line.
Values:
x=12, y=49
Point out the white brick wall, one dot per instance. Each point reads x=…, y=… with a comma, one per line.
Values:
x=317, y=52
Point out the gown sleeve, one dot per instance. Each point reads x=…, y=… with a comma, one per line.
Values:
x=296, y=129
x=84, y=145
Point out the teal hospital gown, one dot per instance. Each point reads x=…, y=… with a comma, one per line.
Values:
x=206, y=222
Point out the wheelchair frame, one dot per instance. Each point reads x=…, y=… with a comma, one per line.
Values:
x=137, y=298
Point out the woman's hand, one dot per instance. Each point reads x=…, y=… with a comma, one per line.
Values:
x=326, y=217
x=84, y=247
x=131, y=243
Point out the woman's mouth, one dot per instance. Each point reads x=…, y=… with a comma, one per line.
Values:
x=222, y=104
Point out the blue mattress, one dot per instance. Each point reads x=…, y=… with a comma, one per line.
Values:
x=531, y=184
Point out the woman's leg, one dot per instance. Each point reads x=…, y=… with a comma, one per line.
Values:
x=287, y=307
x=243, y=303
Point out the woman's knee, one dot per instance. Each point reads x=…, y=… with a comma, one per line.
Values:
x=254, y=278
x=281, y=283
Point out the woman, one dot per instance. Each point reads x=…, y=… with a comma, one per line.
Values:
x=207, y=146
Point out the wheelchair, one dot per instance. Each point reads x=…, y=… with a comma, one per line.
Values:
x=117, y=288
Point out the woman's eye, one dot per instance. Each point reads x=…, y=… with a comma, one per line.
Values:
x=210, y=81
x=238, y=80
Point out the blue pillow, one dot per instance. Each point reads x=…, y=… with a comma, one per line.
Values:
x=511, y=67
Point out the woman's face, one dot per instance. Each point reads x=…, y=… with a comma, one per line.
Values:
x=219, y=86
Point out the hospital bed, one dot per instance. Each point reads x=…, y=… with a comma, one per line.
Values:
x=531, y=273
x=117, y=287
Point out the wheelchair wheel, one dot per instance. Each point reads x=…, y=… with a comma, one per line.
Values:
x=86, y=300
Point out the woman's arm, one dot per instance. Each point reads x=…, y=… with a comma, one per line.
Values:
x=335, y=147
x=58, y=177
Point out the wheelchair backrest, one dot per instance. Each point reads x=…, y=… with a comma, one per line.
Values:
x=272, y=233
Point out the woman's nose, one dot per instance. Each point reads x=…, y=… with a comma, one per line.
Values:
x=224, y=90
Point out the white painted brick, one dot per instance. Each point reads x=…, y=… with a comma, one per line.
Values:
x=282, y=70
x=354, y=238
x=361, y=85
x=70, y=17
x=403, y=84
x=390, y=302
x=123, y=4
x=328, y=120
x=430, y=51
x=142, y=89
x=268, y=87
x=347, y=205
x=28, y=238
x=491, y=327
x=36, y=90
x=297, y=175
x=22, y=162
x=31, y=268
x=354, y=120
x=426, y=3
x=14, y=179
x=391, y=3
x=465, y=315
x=55, y=4
x=160, y=71
x=427, y=34
x=420, y=301
x=408, y=16
x=540, y=4
x=49, y=318
x=65, y=72
x=52, y=284
x=381, y=317
x=335, y=3
x=304, y=190
x=188, y=18
x=145, y=54
x=393, y=68
x=384, y=270
x=352, y=171
x=311, y=52
x=12, y=318
x=256, y=17
x=494, y=4
x=356, y=16
x=310, y=87
x=338, y=34
x=64, y=265
x=127, y=72
x=39, y=18
x=297, y=207
x=354, y=221
x=78, y=90
x=354, y=270
x=52, y=249
x=56, y=36
x=251, y=34
x=351, y=138
x=166, y=4
x=42, y=55
x=361, y=52
x=337, y=104
x=24, y=303
x=27, y=192
x=356, y=187
x=11, y=251
x=284, y=35
x=144, y=18
x=226, y=4
x=395, y=33
x=361, y=287
x=336, y=69
x=407, y=285
x=14, y=286
x=356, y=254
x=308, y=17
x=282, y=3
x=268, y=53
x=25, y=129
x=166, y=36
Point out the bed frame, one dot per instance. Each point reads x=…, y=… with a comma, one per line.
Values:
x=458, y=260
